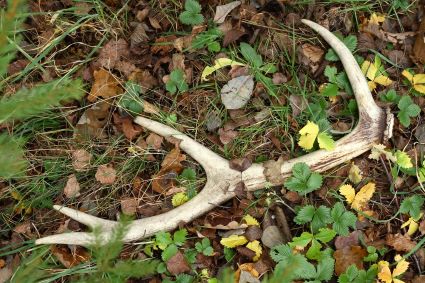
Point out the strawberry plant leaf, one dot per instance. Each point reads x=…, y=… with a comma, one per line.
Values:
x=408, y=109
x=342, y=219
x=303, y=180
x=412, y=206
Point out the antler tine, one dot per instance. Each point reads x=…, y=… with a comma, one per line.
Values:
x=208, y=159
x=86, y=219
x=71, y=238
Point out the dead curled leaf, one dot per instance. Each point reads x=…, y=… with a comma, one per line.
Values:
x=177, y=264
x=113, y=52
x=170, y=167
x=222, y=11
x=232, y=225
x=70, y=259
x=92, y=121
x=105, y=85
x=401, y=243
x=129, y=206
x=72, y=187
x=106, y=174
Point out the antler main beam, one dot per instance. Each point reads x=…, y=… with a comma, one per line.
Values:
x=222, y=180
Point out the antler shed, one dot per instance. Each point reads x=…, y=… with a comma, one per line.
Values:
x=222, y=180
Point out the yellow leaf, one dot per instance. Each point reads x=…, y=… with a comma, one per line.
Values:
x=420, y=88
x=383, y=80
x=379, y=149
x=369, y=70
x=372, y=85
x=233, y=241
x=401, y=267
x=419, y=79
x=348, y=192
x=376, y=19
x=408, y=76
x=308, y=135
x=249, y=220
x=179, y=198
x=355, y=175
x=218, y=64
x=384, y=272
x=256, y=247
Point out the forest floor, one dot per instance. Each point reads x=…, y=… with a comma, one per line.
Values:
x=359, y=222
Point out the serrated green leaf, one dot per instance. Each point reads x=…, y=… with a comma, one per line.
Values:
x=192, y=6
x=169, y=252
x=342, y=219
x=208, y=251
x=325, y=235
x=303, y=180
x=407, y=109
x=214, y=46
x=305, y=214
x=325, y=269
x=302, y=241
x=403, y=159
x=412, y=206
x=163, y=239
x=330, y=90
x=314, y=251
x=290, y=266
x=349, y=41
x=228, y=253
x=321, y=218
x=325, y=141
x=189, y=18
x=251, y=55
x=180, y=237
x=330, y=73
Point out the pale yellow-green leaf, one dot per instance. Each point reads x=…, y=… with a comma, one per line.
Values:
x=256, y=247
x=355, y=175
x=218, y=64
x=249, y=220
x=325, y=141
x=233, y=241
x=358, y=201
x=403, y=160
x=379, y=149
x=308, y=135
x=376, y=19
x=401, y=267
x=417, y=81
x=179, y=198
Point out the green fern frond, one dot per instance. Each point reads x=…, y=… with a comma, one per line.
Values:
x=29, y=102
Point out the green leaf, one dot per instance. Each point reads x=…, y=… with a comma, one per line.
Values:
x=325, y=235
x=325, y=269
x=390, y=96
x=214, y=46
x=305, y=214
x=228, y=253
x=303, y=180
x=301, y=241
x=176, y=81
x=169, y=252
x=330, y=73
x=325, y=141
x=403, y=159
x=407, y=109
x=314, y=251
x=163, y=239
x=330, y=90
x=251, y=55
x=192, y=14
x=290, y=266
x=190, y=255
x=180, y=237
x=342, y=219
x=184, y=278
x=321, y=218
x=208, y=251
x=412, y=206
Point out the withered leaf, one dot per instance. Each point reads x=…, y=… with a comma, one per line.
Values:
x=129, y=206
x=92, y=121
x=170, y=167
x=401, y=243
x=112, y=53
x=72, y=187
x=240, y=164
x=237, y=92
x=81, y=159
x=154, y=141
x=177, y=264
x=222, y=11
x=70, y=259
x=105, y=85
x=348, y=256
x=106, y=174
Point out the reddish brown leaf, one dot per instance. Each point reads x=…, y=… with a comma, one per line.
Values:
x=72, y=187
x=112, y=53
x=81, y=159
x=240, y=164
x=130, y=130
x=170, y=167
x=129, y=206
x=70, y=259
x=154, y=141
x=348, y=256
x=401, y=243
x=177, y=264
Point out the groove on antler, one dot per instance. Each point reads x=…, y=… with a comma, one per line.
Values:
x=222, y=180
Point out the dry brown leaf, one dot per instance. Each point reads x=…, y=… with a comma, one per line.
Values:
x=222, y=11
x=232, y=36
x=163, y=45
x=228, y=136
x=240, y=164
x=347, y=241
x=106, y=174
x=129, y=206
x=177, y=264
x=139, y=35
x=23, y=228
x=70, y=259
x=419, y=47
x=130, y=130
x=154, y=141
x=145, y=80
x=401, y=243
x=72, y=187
x=113, y=52
x=348, y=256
x=312, y=53
x=92, y=121
x=170, y=167
x=232, y=225
x=81, y=159
x=105, y=85
x=272, y=236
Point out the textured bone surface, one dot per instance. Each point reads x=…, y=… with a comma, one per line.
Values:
x=222, y=180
